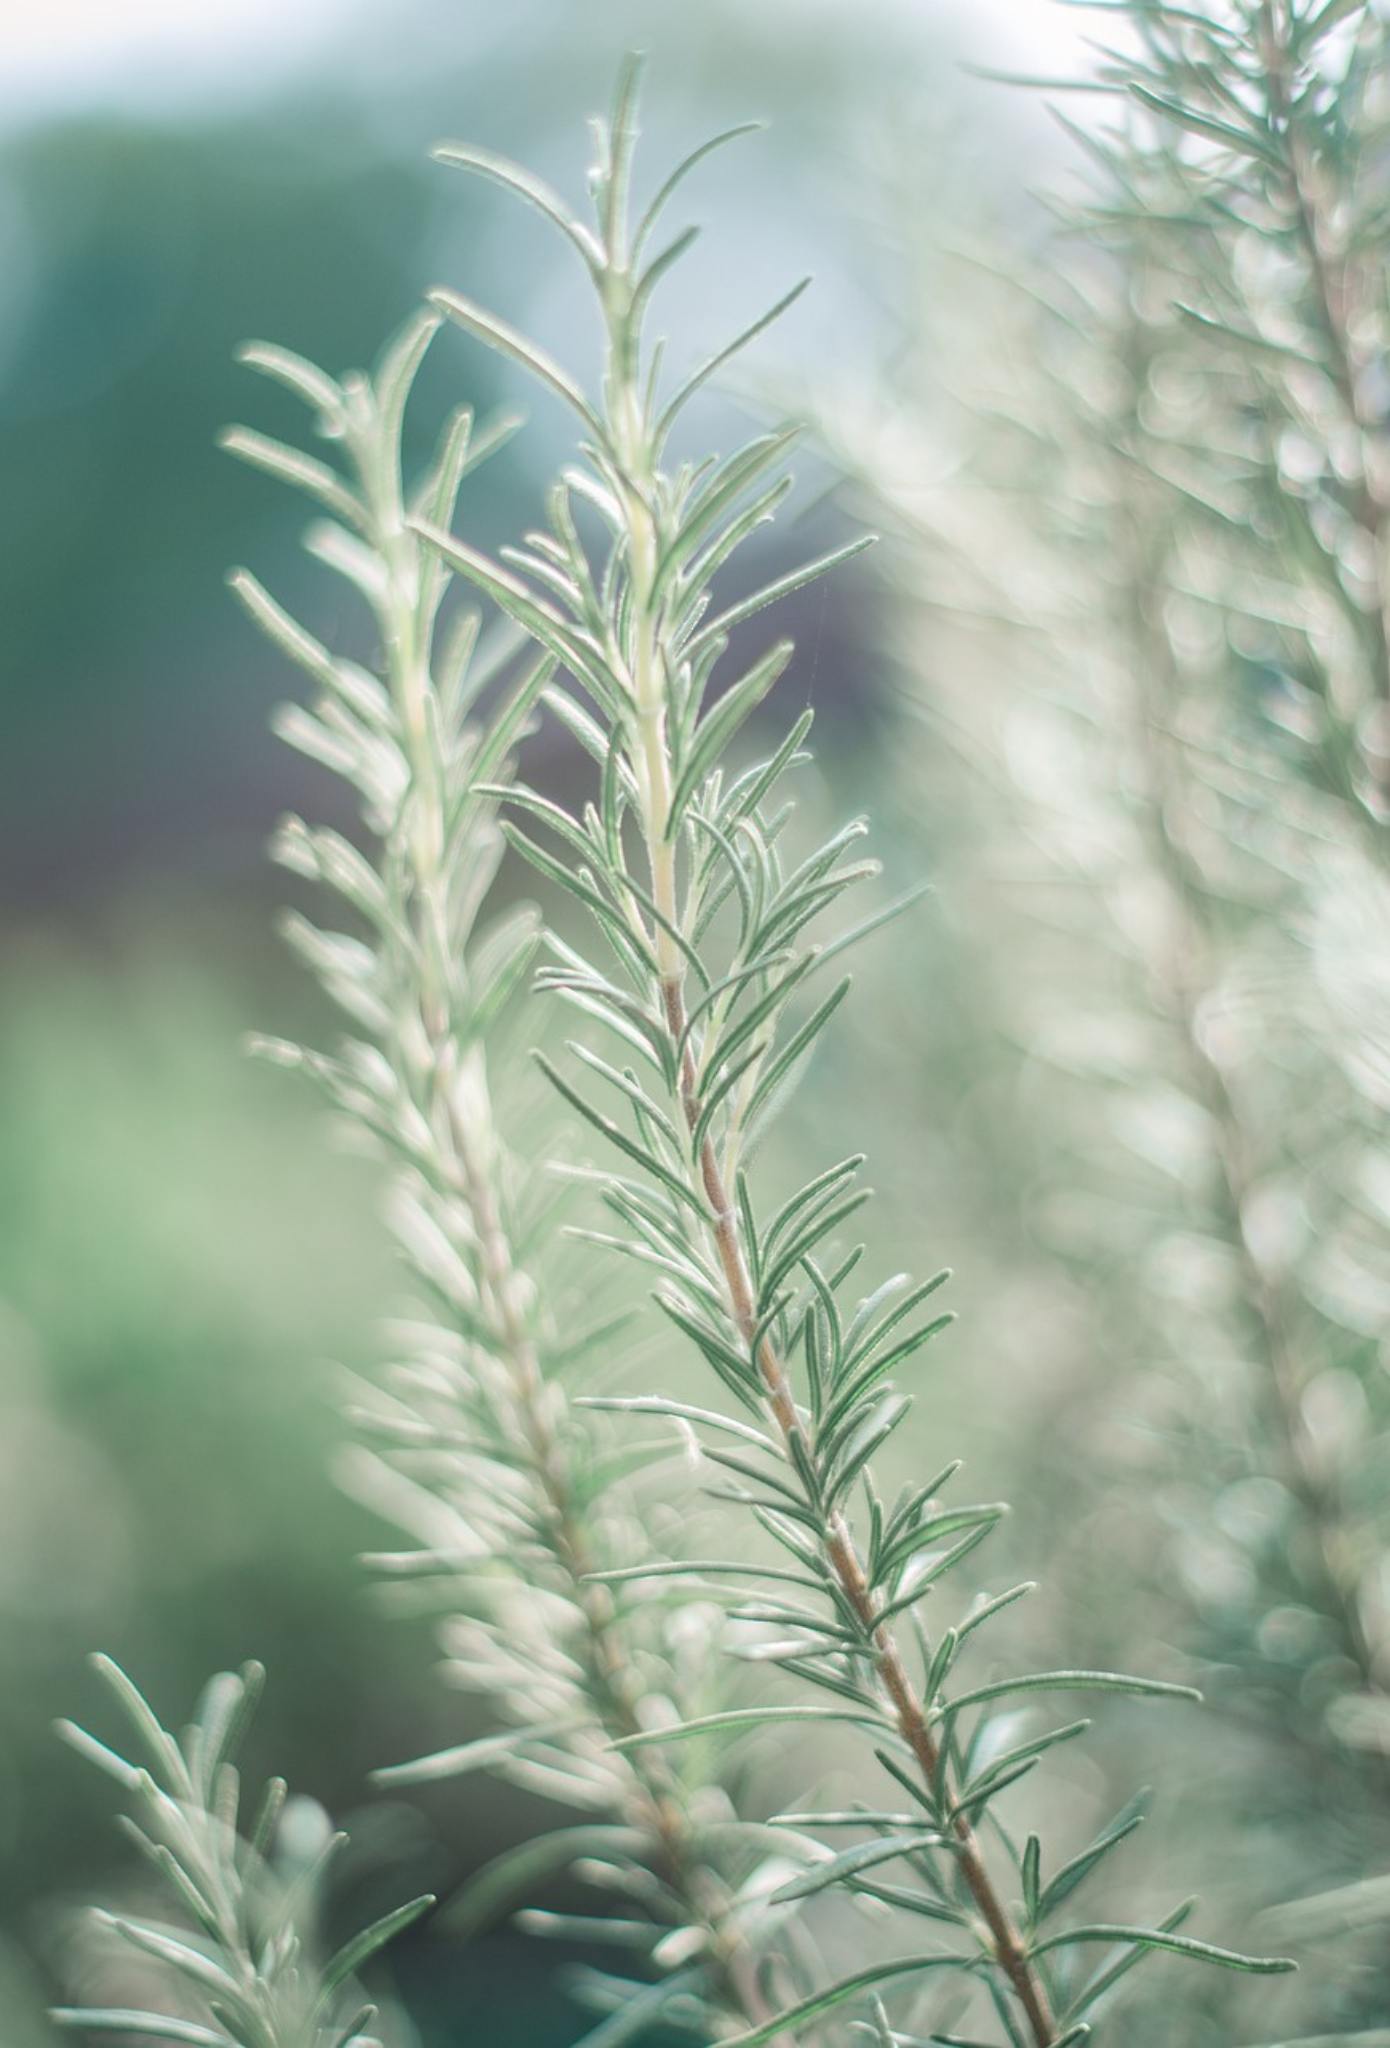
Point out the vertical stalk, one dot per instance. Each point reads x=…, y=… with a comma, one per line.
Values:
x=459, y=1103
x=1186, y=980
x=1328, y=277
x=653, y=770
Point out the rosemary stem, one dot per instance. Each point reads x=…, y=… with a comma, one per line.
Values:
x=655, y=780
x=460, y=1104
x=909, y=1711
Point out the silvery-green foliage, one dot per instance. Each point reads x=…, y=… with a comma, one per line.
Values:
x=712, y=996
x=240, y=1964
x=1213, y=1114
x=524, y=1526
x=1188, y=806
x=1191, y=1126
x=1255, y=166
x=1245, y=198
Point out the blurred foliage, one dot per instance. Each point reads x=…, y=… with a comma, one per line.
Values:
x=182, y=1254
x=1144, y=542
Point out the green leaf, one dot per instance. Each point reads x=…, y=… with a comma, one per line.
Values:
x=704, y=1567
x=1074, y=1873
x=116, y=2020
x=224, y=1712
x=268, y=1816
x=1073, y=1681
x=799, y=1043
x=877, y=1368
x=657, y=1404
x=612, y=176
x=748, y=790
x=1209, y=128
x=782, y=586
x=1112, y=1973
x=682, y=564
x=1171, y=1944
x=824, y=1184
x=649, y=1115
x=354, y=2029
x=848, y=1987
x=297, y=374
x=665, y=260
x=190, y=1962
x=469, y=1756
x=163, y=1749
x=580, y=886
x=399, y=365
x=275, y=622
x=638, y=2008
x=868, y=925
x=466, y=157
x=514, y=597
x=850, y=1862
x=127, y=1774
x=617, y=1137
x=364, y=1945
x=508, y=721
x=987, y=1610
x=1028, y=1872
x=1003, y=1770
x=716, y=362
x=487, y=327
x=736, y=1372
x=934, y=1530
x=305, y=472
x=682, y=171
x=721, y=723
x=741, y=1717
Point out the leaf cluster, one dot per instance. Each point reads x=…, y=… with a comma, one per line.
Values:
x=242, y=1954
x=1187, y=797
x=1250, y=170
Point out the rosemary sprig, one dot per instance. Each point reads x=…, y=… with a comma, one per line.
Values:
x=244, y=1968
x=477, y=1419
x=1254, y=271
x=705, y=985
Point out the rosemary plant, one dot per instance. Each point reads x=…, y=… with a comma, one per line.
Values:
x=707, y=987
x=1267, y=120
x=1206, y=595
x=1241, y=195
x=520, y=1509
x=1245, y=197
x=247, y=1970
x=1199, y=968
